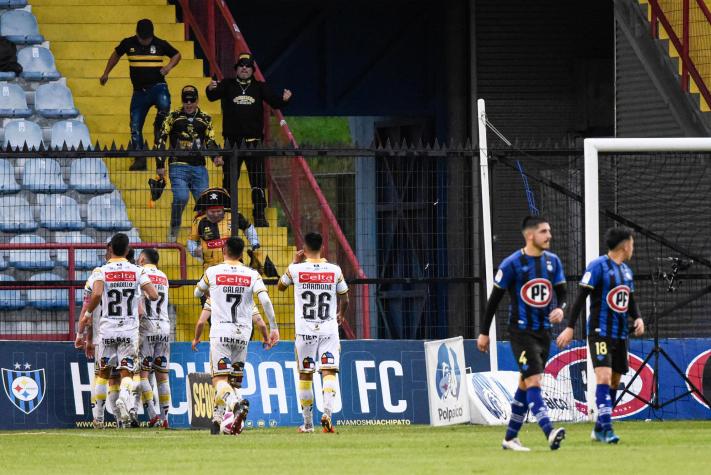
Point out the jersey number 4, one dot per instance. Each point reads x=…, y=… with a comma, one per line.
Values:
x=314, y=305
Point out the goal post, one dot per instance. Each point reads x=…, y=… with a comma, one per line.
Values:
x=592, y=149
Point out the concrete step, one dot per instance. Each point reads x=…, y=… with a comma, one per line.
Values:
x=94, y=68
x=109, y=105
x=103, y=49
x=121, y=86
x=96, y=31
x=108, y=3
x=104, y=14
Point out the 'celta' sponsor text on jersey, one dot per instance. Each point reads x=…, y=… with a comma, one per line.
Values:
x=530, y=281
x=122, y=291
x=232, y=287
x=156, y=320
x=316, y=286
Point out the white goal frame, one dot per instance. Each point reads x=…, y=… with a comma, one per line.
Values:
x=592, y=148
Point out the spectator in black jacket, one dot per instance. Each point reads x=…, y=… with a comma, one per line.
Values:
x=243, y=123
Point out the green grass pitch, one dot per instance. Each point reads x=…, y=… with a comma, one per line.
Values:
x=646, y=448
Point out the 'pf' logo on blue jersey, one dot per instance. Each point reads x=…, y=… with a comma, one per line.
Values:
x=448, y=376
x=619, y=298
x=537, y=293
x=25, y=389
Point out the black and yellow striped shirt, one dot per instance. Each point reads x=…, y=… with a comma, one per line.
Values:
x=145, y=61
x=183, y=130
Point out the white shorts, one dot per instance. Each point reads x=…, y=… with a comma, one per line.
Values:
x=155, y=352
x=317, y=352
x=227, y=355
x=118, y=351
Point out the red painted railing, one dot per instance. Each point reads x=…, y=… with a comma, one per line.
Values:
x=71, y=276
x=220, y=38
x=683, y=43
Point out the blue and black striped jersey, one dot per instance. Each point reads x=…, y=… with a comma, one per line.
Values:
x=611, y=285
x=530, y=282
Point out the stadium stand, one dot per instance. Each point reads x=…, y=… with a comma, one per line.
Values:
x=108, y=213
x=70, y=132
x=59, y=213
x=83, y=258
x=37, y=64
x=54, y=100
x=20, y=27
x=8, y=184
x=47, y=299
x=13, y=102
x=43, y=175
x=19, y=133
x=16, y=215
x=11, y=299
x=89, y=175
x=30, y=259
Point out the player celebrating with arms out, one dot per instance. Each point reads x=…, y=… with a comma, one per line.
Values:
x=317, y=286
x=610, y=283
x=531, y=275
x=231, y=286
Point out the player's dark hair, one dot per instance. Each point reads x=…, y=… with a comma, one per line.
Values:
x=615, y=236
x=151, y=255
x=313, y=241
x=532, y=222
x=234, y=246
x=131, y=256
x=119, y=244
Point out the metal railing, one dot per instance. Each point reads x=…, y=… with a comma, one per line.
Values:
x=693, y=18
x=71, y=248
x=221, y=40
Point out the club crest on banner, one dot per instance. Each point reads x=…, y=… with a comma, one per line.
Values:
x=24, y=387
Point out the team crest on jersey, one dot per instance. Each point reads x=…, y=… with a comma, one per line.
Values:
x=618, y=299
x=25, y=389
x=537, y=293
x=223, y=364
x=308, y=363
x=549, y=266
x=153, y=49
x=327, y=358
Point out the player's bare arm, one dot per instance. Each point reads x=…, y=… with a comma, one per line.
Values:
x=150, y=291
x=199, y=327
x=342, y=307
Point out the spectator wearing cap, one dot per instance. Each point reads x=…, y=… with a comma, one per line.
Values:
x=145, y=53
x=243, y=123
x=186, y=128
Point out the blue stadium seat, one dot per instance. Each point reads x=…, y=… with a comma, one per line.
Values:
x=89, y=175
x=71, y=132
x=16, y=215
x=29, y=259
x=13, y=102
x=108, y=213
x=37, y=64
x=3, y=263
x=133, y=236
x=13, y=3
x=48, y=299
x=59, y=213
x=10, y=299
x=83, y=258
x=43, y=175
x=20, y=132
x=20, y=27
x=54, y=101
x=7, y=75
x=8, y=184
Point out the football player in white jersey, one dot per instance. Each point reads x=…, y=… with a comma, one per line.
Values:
x=231, y=286
x=117, y=289
x=154, y=331
x=318, y=284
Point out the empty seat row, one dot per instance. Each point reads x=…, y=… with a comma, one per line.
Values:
x=52, y=100
x=40, y=259
x=41, y=299
x=44, y=175
x=58, y=212
x=20, y=132
x=37, y=65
